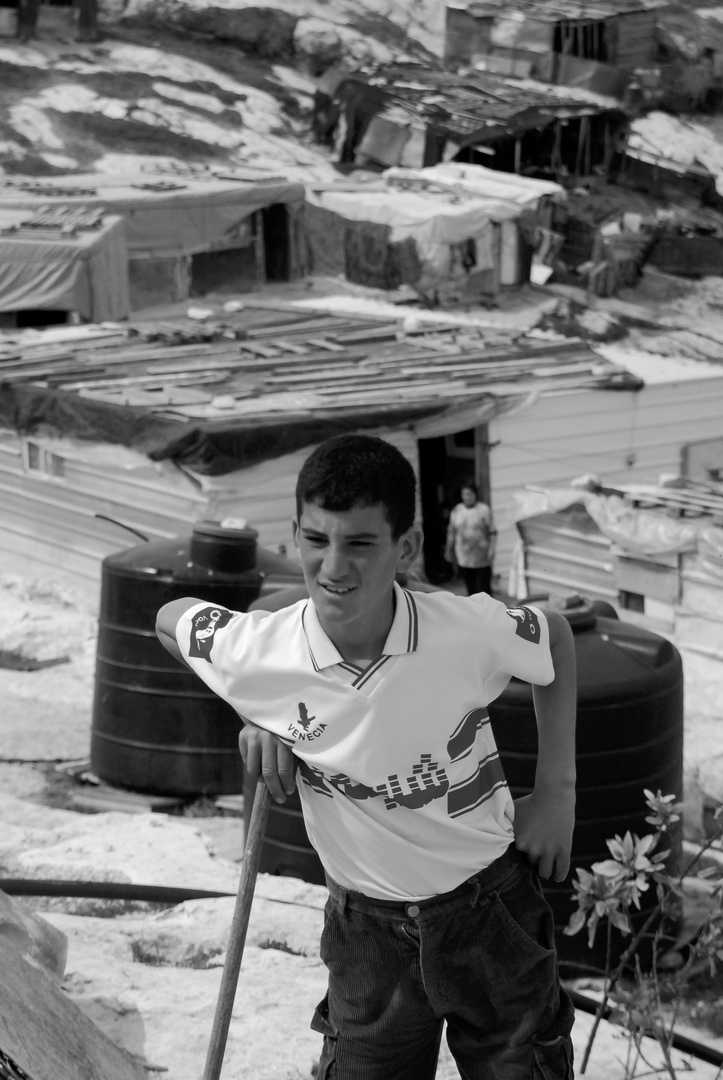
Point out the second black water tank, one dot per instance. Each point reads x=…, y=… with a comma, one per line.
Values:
x=629, y=737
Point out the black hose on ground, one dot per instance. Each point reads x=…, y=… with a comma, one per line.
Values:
x=124, y=890
x=106, y=890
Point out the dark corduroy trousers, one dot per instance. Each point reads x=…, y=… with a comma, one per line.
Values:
x=480, y=958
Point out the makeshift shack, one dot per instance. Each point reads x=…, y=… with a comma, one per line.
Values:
x=655, y=552
x=60, y=263
x=153, y=426
x=455, y=233
x=595, y=45
x=415, y=117
x=186, y=235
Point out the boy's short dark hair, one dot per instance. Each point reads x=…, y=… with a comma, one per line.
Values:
x=359, y=470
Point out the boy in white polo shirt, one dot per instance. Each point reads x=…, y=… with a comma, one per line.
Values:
x=375, y=699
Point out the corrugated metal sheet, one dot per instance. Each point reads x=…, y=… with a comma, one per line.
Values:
x=48, y=514
x=622, y=438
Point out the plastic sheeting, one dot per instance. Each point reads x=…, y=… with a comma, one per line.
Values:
x=164, y=217
x=501, y=191
x=214, y=448
x=634, y=529
x=86, y=273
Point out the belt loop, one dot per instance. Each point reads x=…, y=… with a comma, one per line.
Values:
x=475, y=894
x=341, y=902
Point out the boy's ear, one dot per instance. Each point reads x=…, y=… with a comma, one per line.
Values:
x=295, y=531
x=410, y=547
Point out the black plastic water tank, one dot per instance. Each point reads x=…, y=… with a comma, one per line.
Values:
x=156, y=728
x=629, y=737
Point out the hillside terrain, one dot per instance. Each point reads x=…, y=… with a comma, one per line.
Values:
x=194, y=86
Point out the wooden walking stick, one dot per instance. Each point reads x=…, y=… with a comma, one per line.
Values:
x=237, y=937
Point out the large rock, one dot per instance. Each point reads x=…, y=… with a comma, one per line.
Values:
x=264, y=31
x=33, y=937
x=151, y=982
x=47, y=1035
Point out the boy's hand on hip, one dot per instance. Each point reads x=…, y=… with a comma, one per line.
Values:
x=264, y=754
x=543, y=831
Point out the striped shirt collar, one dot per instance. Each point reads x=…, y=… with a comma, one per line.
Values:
x=403, y=636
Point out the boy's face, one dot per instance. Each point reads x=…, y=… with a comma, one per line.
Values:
x=350, y=558
x=469, y=498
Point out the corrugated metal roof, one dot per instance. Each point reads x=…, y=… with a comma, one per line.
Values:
x=466, y=104
x=558, y=10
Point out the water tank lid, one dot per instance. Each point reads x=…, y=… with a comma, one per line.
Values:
x=236, y=531
x=578, y=611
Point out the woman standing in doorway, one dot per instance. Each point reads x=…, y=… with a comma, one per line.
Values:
x=471, y=541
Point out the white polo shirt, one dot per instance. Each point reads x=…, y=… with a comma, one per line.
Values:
x=400, y=781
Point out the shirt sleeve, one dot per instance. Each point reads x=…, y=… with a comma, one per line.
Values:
x=208, y=635
x=520, y=640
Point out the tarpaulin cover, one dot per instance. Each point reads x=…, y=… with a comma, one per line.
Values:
x=636, y=530
x=87, y=272
x=502, y=192
x=209, y=449
x=164, y=217
x=216, y=448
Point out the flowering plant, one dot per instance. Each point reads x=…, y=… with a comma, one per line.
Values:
x=609, y=891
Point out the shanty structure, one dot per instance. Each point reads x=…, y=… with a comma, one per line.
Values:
x=187, y=233
x=454, y=233
x=412, y=116
x=561, y=41
x=63, y=262
x=653, y=551
x=155, y=425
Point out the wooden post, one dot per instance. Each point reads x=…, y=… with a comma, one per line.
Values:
x=27, y=19
x=581, y=137
x=259, y=251
x=87, y=20
x=482, y=463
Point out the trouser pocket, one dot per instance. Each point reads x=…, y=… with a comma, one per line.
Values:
x=553, y=1054
x=320, y=1022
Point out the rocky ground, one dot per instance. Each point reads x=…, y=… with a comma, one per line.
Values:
x=146, y=974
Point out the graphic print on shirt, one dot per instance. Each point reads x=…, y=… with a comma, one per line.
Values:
x=300, y=729
x=204, y=625
x=527, y=625
x=425, y=781
x=463, y=739
x=304, y=718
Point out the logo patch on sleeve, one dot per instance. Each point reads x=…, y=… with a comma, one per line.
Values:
x=527, y=625
x=205, y=624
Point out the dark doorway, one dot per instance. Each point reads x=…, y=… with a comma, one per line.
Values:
x=276, y=242
x=445, y=464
